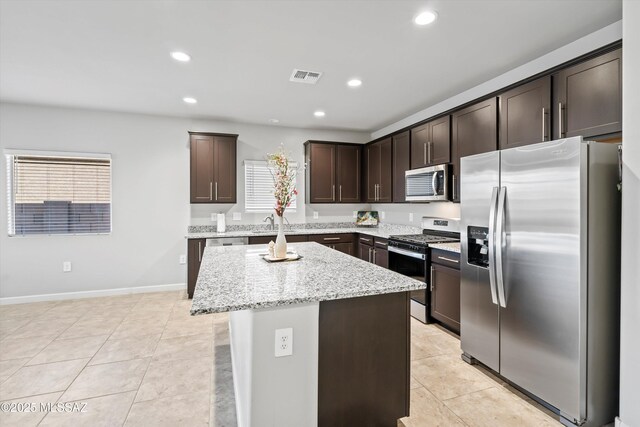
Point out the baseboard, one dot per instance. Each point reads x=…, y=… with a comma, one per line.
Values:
x=619, y=423
x=92, y=294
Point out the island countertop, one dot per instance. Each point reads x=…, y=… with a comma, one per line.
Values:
x=236, y=278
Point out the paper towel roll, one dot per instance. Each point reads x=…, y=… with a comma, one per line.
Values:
x=220, y=222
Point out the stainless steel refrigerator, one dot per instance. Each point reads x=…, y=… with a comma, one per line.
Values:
x=540, y=275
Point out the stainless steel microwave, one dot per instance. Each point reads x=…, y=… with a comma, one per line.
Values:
x=430, y=184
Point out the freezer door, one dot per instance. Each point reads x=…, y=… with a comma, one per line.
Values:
x=542, y=327
x=479, y=327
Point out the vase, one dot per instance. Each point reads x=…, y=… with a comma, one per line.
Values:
x=281, y=242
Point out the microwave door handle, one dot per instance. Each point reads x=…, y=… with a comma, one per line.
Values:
x=492, y=254
x=434, y=183
x=500, y=243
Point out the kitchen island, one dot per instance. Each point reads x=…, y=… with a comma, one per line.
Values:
x=350, y=336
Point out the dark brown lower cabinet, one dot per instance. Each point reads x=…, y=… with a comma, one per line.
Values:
x=365, y=252
x=445, y=295
x=195, y=249
x=363, y=361
x=380, y=253
x=346, y=248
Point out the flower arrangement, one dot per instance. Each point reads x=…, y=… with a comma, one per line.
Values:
x=283, y=175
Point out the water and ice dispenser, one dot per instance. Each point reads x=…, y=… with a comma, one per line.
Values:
x=478, y=246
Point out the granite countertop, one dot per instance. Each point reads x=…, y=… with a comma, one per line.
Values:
x=236, y=278
x=384, y=231
x=451, y=247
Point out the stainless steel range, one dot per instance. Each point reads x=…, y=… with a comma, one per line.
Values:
x=409, y=255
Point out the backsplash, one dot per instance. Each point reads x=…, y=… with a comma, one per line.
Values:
x=397, y=229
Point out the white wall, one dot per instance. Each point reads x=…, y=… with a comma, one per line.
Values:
x=630, y=310
x=151, y=208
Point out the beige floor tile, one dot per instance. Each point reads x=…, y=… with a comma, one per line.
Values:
x=30, y=309
x=43, y=327
x=126, y=349
x=413, y=383
x=93, y=326
x=104, y=411
x=181, y=348
x=9, y=367
x=69, y=349
x=434, y=345
x=11, y=324
x=109, y=378
x=494, y=407
x=139, y=327
x=28, y=419
x=11, y=348
x=149, y=313
x=41, y=379
x=426, y=410
x=190, y=326
x=165, y=379
x=185, y=410
x=447, y=377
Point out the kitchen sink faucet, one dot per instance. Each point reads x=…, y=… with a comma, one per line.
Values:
x=271, y=219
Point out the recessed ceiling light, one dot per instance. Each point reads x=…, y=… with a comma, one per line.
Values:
x=180, y=56
x=425, y=18
x=189, y=100
x=274, y=121
x=354, y=82
x=318, y=113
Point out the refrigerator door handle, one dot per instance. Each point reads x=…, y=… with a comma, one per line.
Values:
x=499, y=244
x=492, y=249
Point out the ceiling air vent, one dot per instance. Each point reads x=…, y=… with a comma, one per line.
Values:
x=302, y=76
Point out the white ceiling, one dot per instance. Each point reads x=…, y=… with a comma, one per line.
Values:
x=114, y=55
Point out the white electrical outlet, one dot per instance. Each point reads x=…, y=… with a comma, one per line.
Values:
x=237, y=216
x=183, y=259
x=315, y=215
x=284, y=342
x=381, y=214
x=355, y=214
x=66, y=266
x=410, y=216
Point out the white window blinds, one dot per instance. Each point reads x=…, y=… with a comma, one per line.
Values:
x=51, y=194
x=258, y=188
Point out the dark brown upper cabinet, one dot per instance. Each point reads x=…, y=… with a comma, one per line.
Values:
x=333, y=172
x=474, y=131
x=379, y=171
x=401, y=164
x=588, y=97
x=213, y=167
x=430, y=143
x=525, y=114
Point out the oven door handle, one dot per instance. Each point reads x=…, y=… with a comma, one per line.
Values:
x=407, y=253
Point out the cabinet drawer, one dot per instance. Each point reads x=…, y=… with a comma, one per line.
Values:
x=331, y=238
x=365, y=240
x=380, y=243
x=448, y=258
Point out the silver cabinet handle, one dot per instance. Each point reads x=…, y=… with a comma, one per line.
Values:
x=199, y=251
x=424, y=153
x=331, y=238
x=374, y=256
x=216, y=191
x=492, y=247
x=369, y=254
x=454, y=187
x=431, y=280
x=448, y=259
x=500, y=233
x=210, y=190
x=429, y=147
x=333, y=192
x=559, y=119
x=363, y=239
x=340, y=193
x=543, y=123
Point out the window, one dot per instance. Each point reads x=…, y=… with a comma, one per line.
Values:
x=258, y=187
x=58, y=193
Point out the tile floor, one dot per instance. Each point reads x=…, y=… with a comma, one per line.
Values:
x=142, y=360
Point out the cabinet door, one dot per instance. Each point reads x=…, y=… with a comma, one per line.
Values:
x=201, y=183
x=373, y=171
x=419, y=141
x=439, y=146
x=445, y=295
x=322, y=166
x=224, y=185
x=385, y=186
x=346, y=248
x=401, y=164
x=588, y=97
x=525, y=114
x=381, y=257
x=195, y=248
x=474, y=131
x=348, y=173
x=364, y=252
